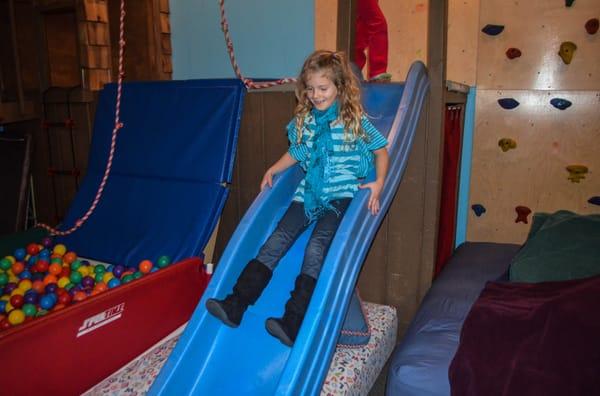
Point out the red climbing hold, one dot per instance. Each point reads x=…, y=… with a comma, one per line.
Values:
x=513, y=53
x=522, y=213
x=591, y=26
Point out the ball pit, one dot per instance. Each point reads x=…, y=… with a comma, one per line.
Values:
x=42, y=278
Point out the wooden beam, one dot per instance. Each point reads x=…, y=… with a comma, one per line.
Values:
x=346, y=27
x=13, y=33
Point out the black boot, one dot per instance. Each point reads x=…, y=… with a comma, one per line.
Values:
x=249, y=286
x=286, y=328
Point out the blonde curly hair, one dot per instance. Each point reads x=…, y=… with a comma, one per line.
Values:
x=336, y=67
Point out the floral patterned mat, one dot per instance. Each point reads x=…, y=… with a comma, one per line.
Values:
x=352, y=371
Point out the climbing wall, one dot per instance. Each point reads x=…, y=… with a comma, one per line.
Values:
x=537, y=123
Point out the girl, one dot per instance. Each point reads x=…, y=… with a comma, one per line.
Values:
x=335, y=144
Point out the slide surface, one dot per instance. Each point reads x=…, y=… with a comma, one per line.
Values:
x=211, y=358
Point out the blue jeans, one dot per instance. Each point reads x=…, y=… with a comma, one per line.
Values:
x=291, y=225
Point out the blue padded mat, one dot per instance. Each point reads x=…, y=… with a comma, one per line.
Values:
x=167, y=186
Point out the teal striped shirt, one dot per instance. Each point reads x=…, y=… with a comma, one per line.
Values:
x=349, y=162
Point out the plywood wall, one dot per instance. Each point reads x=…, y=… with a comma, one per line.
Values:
x=407, y=31
x=461, y=53
x=534, y=174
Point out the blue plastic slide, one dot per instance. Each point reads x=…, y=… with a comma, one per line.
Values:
x=213, y=359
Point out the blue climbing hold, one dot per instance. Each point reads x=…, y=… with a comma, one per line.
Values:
x=560, y=104
x=508, y=103
x=594, y=200
x=478, y=209
x=493, y=30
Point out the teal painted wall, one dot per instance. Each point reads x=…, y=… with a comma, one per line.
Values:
x=271, y=38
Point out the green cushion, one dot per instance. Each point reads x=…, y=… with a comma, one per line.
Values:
x=560, y=246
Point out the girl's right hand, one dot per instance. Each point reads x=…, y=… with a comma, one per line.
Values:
x=267, y=179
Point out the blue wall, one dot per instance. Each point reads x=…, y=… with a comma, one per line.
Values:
x=271, y=38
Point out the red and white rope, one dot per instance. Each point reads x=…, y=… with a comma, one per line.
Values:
x=249, y=83
x=113, y=142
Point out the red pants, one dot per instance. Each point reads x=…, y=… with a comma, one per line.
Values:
x=372, y=33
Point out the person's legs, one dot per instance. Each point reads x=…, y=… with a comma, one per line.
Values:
x=257, y=273
x=377, y=33
x=286, y=328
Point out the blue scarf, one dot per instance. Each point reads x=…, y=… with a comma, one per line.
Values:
x=316, y=202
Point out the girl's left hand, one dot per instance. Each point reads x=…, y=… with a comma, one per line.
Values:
x=375, y=188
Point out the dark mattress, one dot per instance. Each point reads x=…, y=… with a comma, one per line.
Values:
x=419, y=364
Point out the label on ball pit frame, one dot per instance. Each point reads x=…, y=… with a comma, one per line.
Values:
x=101, y=319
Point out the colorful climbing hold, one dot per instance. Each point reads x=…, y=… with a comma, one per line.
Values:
x=591, y=26
x=560, y=103
x=507, y=144
x=513, y=53
x=569, y=3
x=566, y=51
x=508, y=103
x=478, y=209
x=492, y=30
x=576, y=172
x=594, y=200
x=522, y=213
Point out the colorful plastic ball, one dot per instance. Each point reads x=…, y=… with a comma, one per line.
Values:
x=79, y=296
x=145, y=266
x=69, y=257
x=47, y=301
x=10, y=286
x=127, y=278
x=3, y=279
x=5, y=324
x=114, y=282
x=29, y=309
x=99, y=269
x=47, y=242
x=59, y=249
x=16, y=317
x=24, y=284
x=56, y=260
x=17, y=267
x=33, y=249
x=55, y=269
x=38, y=286
x=8, y=307
x=3, y=304
x=118, y=270
x=75, y=265
x=65, y=298
x=137, y=275
x=84, y=270
x=42, y=266
x=31, y=298
x=163, y=261
x=32, y=260
x=87, y=281
x=107, y=277
x=75, y=277
x=101, y=286
x=44, y=254
x=63, y=281
x=25, y=274
x=48, y=279
x=66, y=271
x=20, y=254
x=51, y=288
x=5, y=264
x=17, y=301
x=98, y=277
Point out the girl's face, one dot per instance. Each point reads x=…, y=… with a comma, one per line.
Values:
x=321, y=91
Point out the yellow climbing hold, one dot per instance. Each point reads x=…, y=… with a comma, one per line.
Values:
x=576, y=172
x=506, y=144
x=566, y=52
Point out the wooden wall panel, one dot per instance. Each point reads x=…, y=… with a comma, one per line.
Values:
x=537, y=28
x=463, y=34
x=533, y=174
x=326, y=24
x=407, y=32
